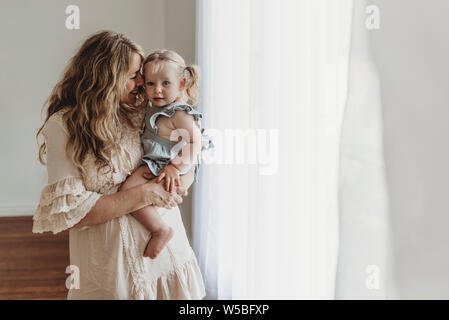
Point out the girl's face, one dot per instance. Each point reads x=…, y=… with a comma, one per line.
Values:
x=134, y=81
x=162, y=83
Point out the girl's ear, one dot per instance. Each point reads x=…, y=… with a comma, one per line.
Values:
x=182, y=84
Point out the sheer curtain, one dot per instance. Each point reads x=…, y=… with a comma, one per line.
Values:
x=274, y=87
x=365, y=260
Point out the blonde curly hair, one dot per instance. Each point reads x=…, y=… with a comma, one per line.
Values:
x=91, y=87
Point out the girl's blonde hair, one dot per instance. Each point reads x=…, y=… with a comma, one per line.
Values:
x=92, y=86
x=191, y=72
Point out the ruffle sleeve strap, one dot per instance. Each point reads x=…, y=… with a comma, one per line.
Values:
x=62, y=205
x=169, y=111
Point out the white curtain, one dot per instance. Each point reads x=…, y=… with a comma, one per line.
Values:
x=365, y=260
x=274, y=88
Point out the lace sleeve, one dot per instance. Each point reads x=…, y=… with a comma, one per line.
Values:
x=64, y=200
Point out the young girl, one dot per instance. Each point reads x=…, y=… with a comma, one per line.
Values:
x=172, y=139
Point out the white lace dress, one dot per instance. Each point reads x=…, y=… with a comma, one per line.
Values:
x=110, y=255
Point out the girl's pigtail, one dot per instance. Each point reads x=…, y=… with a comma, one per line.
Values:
x=192, y=85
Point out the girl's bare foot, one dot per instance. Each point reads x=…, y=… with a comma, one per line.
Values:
x=158, y=242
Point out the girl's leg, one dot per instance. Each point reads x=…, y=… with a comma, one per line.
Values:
x=161, y=233
x=149, y=217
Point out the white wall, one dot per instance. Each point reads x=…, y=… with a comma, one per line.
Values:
x=411, y=50
x=36, y=47
x=180, y=36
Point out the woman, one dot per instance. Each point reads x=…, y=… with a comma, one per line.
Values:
x=92, y=143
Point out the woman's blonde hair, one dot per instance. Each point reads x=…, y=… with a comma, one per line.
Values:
x=91, y=87
x=191, y=72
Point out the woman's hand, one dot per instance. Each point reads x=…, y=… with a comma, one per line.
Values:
x=154, y=194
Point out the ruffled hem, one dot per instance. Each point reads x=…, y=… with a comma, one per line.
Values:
x=183, y=282
x=62, y=205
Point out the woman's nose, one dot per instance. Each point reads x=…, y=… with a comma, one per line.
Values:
x=140, y=81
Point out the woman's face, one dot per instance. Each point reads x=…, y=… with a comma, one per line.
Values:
x=134, y=81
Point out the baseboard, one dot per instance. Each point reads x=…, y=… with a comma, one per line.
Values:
x=17, y=210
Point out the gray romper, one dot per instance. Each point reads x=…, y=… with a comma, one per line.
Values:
x=158, y=152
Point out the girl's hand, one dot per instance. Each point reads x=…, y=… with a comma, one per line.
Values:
x=171, y=175
x=181, y=190
x=154, y=194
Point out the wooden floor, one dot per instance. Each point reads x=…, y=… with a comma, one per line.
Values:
x=32, y=266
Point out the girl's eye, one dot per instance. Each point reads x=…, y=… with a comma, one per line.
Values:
x=150, y=83
x=166, y=83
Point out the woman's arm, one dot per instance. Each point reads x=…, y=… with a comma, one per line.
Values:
x=112, y=206
x=84, y=207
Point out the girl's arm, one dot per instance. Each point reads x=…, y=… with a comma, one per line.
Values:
x=187, y=128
